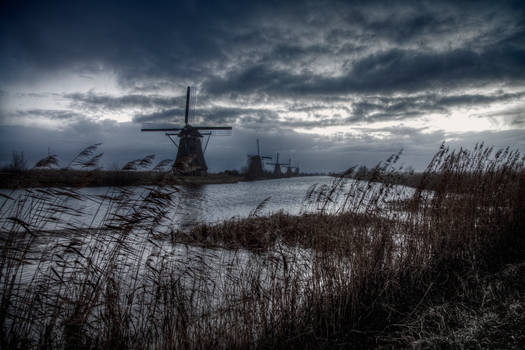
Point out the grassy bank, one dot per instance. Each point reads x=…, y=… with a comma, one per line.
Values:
x=366, y=266
x=111, y=178
x=84, y=171
x=80, y=178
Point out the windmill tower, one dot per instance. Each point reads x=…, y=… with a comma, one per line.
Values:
x=255, y=167
x=277, y=167
x=289, y=168
x=190, y=155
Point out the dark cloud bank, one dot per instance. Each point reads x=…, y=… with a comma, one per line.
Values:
x=331, y=63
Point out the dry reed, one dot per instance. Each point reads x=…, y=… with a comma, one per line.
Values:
x=361, y=267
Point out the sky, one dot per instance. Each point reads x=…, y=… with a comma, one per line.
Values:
x=329, y=84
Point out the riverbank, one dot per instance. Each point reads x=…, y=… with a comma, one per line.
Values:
x=97, y=178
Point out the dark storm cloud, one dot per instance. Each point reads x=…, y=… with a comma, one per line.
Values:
x=385, y=108
x=215, y=115
x=139, y=41
x=167, y=115
x=286, y=52
x=265, y=67
x=416, y=25
x=410, y=71
x=107, y=102
x=390, y=71
x=48, y=36
x=420, y=22
x=196, y=40
x=478, y=99
x=52, y=114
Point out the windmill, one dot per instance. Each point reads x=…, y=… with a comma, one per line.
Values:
x=190, y=155
x=291, y=170
x=277, y=169
x=296, y=170
x=255, y=167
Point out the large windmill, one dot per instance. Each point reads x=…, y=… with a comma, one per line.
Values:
x=277, y=167
x=190, y=155
x=255, y=167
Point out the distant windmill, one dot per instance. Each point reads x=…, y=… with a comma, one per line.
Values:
x=277, y=169
x=296, y=170
x=255, y=167
x=289, y=172
x=190, y=156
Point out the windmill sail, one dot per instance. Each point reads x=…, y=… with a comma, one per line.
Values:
x=190, y=156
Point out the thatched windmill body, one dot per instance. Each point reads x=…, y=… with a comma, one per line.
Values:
x=277, y=167
x=255, y=166
x=190, y=154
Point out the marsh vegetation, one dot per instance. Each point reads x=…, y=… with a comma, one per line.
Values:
x=364, y=265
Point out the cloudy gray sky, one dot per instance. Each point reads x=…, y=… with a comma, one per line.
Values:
x=329, y=84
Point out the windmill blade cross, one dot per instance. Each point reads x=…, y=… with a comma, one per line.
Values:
x=220, y=132
x=190, y=155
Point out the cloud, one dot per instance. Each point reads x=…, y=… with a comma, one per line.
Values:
x=213, y=115
x=368, y=108
x=93, y=101
x=307, y=115
x=50, y=114
x=194, y=41
x=395, y=70
x=266, y=68
x=386, y=108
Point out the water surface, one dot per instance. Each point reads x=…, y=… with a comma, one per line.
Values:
x=193, y=204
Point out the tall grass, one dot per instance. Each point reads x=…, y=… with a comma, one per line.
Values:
x=358, y=264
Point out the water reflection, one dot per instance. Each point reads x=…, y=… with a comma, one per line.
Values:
x=215, y=203
x=191, y=206
x=196, y=204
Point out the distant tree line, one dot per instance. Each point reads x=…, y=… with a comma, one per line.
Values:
x=18, y=163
